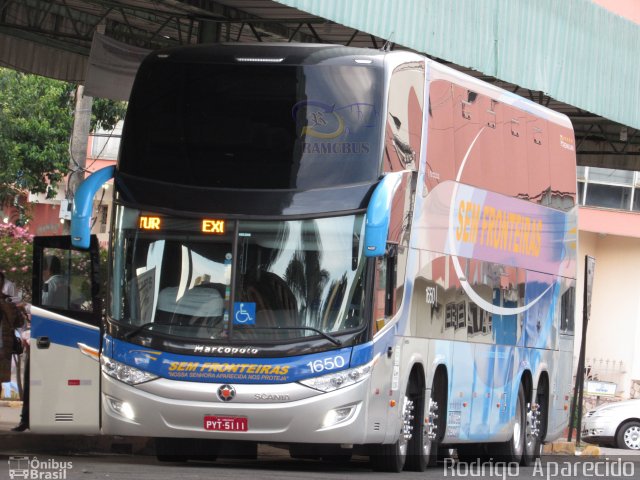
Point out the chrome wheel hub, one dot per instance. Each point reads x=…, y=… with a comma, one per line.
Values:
x=533, y=424
x=632, y=438
x=407, y=424
x=432, y=415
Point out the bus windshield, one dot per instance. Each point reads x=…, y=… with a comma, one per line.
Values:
x=287, y=280
x=254, y=126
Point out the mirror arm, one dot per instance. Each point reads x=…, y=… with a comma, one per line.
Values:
x=83, y=206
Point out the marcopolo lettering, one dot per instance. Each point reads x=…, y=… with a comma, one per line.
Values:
x=226, y=350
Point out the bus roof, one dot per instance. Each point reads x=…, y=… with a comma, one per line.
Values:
x=437, y=70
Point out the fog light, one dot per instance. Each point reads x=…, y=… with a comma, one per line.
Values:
x=121, y=408
x=338, y=415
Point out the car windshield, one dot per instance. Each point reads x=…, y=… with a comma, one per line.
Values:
x=211, y=279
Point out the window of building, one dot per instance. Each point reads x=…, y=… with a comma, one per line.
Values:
x=608, y=196
x=605, y=175
x=106, y=143
x=608, y=188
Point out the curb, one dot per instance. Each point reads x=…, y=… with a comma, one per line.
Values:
x=559, y=448
x=569, y=448
x=591, y=451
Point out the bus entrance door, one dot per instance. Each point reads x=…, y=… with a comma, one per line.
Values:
x=64, y=383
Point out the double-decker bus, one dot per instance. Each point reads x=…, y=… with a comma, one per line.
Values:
x=343, y=250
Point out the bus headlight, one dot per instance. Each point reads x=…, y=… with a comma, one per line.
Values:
x=338, y=415
x=121, y=408
x=344, y=378
x=125, y=373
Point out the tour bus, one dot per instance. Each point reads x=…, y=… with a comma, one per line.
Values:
x=339, y=250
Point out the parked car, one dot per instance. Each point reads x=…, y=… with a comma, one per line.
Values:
x=614, y=424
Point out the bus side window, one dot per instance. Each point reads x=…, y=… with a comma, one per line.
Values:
x=390, y=284
x=384, y=294
x=567, y=311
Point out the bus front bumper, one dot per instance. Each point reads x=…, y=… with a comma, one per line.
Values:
x=275, y=413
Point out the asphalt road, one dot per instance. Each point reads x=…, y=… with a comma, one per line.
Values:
x=275, y=463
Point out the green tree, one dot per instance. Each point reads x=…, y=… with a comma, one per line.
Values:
x=106, y=113
x=36, y=120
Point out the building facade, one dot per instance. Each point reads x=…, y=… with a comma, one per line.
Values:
x=609, y=231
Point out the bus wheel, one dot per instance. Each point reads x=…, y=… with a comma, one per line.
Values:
x=392, y=457
x=420, y=448
x=513, y=449
x=532, y=439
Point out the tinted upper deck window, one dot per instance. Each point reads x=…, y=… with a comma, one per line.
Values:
x=254, y=126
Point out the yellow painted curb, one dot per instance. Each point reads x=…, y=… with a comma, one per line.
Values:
x=547, y=449
x=591, y=451
x=564, y=448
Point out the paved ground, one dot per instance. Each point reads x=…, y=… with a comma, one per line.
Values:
x=30, y=443
x=9, y=415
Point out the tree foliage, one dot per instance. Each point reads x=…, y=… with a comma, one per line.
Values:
x=36, y=121
x=106, y=113
x=36, y=117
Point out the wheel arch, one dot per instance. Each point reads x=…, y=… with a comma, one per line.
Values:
x=526, y=379
x=622, y=424
x=417, y=377
x=545, y=382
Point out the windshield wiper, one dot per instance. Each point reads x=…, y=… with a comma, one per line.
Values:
x=332, y=339
x=137, y=330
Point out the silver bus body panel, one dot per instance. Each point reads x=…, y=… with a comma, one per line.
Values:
x=298, y=420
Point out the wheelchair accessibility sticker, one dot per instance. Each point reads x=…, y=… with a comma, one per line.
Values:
x=244, y=313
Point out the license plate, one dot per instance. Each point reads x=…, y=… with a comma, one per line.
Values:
x=226, y=424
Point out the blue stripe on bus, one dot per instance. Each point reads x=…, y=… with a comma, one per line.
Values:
x=64, y=333
x=253, y=370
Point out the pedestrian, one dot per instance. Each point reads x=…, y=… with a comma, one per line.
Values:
x=26, y=342
x=10, y=320
x=9, y=288
x=55, y=291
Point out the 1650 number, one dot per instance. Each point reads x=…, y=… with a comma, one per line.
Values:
x=331, y=363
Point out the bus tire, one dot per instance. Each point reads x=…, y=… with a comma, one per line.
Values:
x=419, y=445
x=512, y=450
x=422, y=450
x=536, y=422
x=387, y=458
